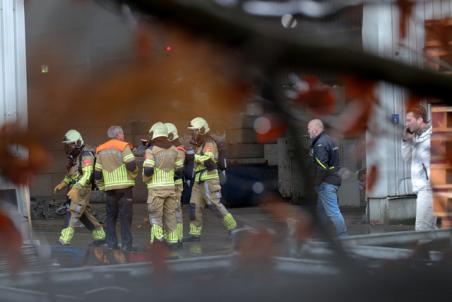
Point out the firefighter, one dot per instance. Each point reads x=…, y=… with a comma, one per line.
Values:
x=173, y=137
x=162, y=162
x=79, y=180
x=206, y=188
x=115, y=173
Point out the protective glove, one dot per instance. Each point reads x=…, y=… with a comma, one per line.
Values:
x=73, y=193
x=210, y=165
x=148, y=171
x=59, y=187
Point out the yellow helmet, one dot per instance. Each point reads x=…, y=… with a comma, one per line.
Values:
x=172, y=132
x=200, y=124
x=73, y=137
x=158, y=130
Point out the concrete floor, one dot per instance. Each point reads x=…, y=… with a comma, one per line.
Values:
x=215, y=239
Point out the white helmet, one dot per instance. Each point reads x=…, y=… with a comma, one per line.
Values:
x=172, y=132
x=200, y=124
x=158, y=130
x=73, y=137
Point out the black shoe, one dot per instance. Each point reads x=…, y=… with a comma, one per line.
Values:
x=98, y=243
x=180, y=244
x=111, y=247
x=60, y=244
x=192, y=238
x=172, y=246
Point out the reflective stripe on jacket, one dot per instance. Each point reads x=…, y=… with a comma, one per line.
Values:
x=111, y=159
x=163, y=163
x=207, y=151
x=325, y=157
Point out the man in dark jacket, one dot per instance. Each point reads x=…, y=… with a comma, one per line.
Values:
x=325, y=157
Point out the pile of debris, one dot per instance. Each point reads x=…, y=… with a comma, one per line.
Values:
x=50, y=208
x=44, y=209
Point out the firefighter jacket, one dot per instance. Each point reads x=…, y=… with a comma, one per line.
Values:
x=206, y=158
x=80, y=171
x=325, y=160
x=178, y=179
x=115, y=167
x=160, y=166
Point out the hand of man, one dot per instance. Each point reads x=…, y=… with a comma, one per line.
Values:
x=407, y=134
x=59, y=187
x=72, y=194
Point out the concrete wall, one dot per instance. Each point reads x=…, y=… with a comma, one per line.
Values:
x=74, y=39
x=44, y=183
x=69, y=38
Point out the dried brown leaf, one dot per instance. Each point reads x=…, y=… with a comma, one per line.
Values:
x=276, y=129
x=372, y=177
x=405, y=11
x=257, y=248
x=353, y=121
x=359, y=89
x=143, y=41
x=282, y=212
x=11, y=242
x=318, y=98
x=16, y=167
x=413, y=101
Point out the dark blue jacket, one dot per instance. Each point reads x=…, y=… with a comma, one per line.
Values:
x=325, y=160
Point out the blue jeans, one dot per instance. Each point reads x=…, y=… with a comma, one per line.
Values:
x=328, y=208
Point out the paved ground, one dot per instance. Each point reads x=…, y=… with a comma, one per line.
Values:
x=215, y=240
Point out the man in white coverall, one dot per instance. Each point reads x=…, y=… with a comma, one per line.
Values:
x=416, y=147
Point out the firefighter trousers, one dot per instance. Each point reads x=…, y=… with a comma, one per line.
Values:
x=80, y=210
x=179, y=215
x=207, y=193
x=162, y=206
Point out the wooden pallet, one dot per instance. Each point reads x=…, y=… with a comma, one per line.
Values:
x=441, y=166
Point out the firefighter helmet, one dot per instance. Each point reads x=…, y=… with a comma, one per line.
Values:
x=200, y=124
x=172, y=131
x=73, y=137
x=158, y=130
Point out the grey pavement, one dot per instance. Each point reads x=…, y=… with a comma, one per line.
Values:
x=215, y=239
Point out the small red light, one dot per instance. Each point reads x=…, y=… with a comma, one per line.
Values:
x=168, y=48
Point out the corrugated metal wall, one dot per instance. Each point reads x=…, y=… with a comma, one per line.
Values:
x=13, y=79
x=381, y=36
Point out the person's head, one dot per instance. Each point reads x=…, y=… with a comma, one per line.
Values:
x=158, y=130
x=116, y=132
x=172, y=132
x=416, y=118
x=73, y=142
x=199, y=128
x=315, y=128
